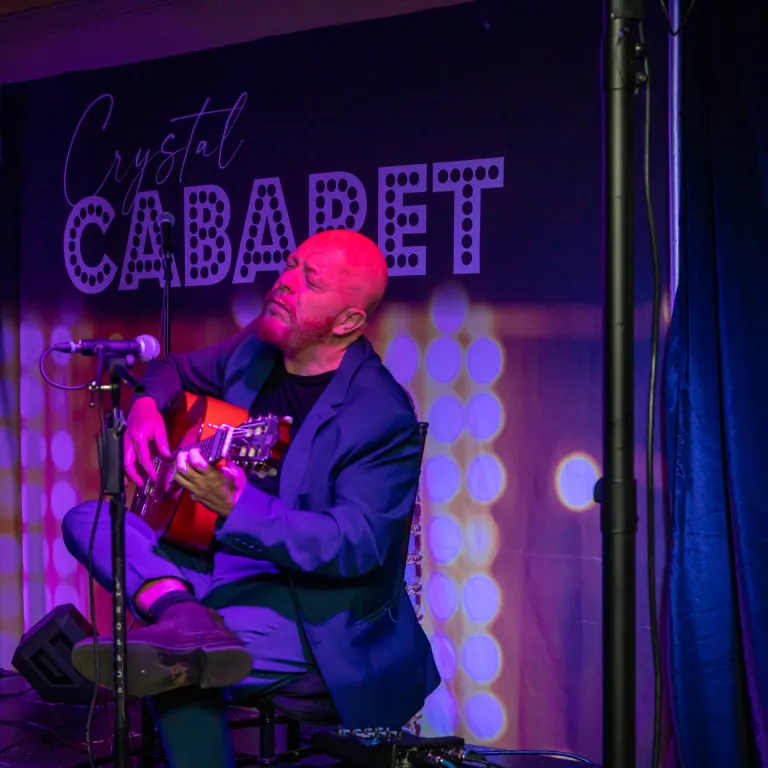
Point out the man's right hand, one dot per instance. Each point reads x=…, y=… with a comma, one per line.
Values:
x=145, y=425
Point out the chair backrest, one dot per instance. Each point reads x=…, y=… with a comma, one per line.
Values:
x=423, y=429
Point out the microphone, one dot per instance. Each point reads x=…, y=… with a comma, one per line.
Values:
x=145, y=347
x=167, y=223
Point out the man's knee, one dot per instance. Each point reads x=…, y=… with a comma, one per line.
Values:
x=77, y=525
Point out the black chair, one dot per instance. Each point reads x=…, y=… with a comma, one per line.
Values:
x=268, y=716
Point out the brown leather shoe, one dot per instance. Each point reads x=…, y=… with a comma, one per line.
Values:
x=189, y=645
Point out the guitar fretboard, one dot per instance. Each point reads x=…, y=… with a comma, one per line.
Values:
x=204, y=446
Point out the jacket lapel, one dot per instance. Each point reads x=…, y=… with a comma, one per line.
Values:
x=297, y=458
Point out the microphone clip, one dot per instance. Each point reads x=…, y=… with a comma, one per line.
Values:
x=118, y=366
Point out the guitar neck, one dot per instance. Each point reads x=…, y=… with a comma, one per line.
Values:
x=203, y=446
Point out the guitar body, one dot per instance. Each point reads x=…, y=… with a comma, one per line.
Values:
x=205, y=423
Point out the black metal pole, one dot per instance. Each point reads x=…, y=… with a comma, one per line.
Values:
x=167, y=223
x=618, y=488
x=166, y=312
x=113, y=474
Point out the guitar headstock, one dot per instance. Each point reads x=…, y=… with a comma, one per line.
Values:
x=257, y=441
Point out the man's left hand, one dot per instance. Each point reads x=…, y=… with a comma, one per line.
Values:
x=218, y=488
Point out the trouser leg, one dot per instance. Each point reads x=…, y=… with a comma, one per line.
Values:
x=146, y=559
x=193, y=728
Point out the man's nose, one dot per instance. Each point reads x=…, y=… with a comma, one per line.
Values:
x=284, y=283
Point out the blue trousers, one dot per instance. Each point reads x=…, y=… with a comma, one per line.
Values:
x=192, y=722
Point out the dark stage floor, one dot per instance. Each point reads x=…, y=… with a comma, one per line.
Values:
x=35, y=734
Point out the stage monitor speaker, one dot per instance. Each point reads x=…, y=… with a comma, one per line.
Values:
x=43, y=656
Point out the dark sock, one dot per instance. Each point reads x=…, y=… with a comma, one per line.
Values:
x=163, y=603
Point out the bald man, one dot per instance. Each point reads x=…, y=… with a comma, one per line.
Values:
x=301, y=599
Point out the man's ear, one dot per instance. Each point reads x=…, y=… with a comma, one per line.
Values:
x=350, y=321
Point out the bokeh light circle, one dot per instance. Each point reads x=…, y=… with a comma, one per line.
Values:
x=63, y=562
x=9, y=493
x=482, y=598
x=441, y=712
x=481, y=657
x=60, y=335
x=33, y=448
x=484, y=360
x=445, y=419
x=485, y=478
x=8, y=402
x=402, y=358
x=63, y=498
x=444, y=359
x=34, y=503
x=480, y=539
x=484, y=416
x=33, y=553
x=442, y=596
x=444, y=538
x=442, y=478
x=10, y=554
x=32, y=396
x=8, y=448
x=66, y=593
x=575, y=480
x=485, y=716
x=7, y=344
x=31, y=345
x=449, y=308
x=12, y=609
x=445, y=655
x=63, y=450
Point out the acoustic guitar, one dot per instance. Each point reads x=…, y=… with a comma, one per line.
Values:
x=221, y=432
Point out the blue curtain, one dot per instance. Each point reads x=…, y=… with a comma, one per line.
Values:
x=717, y=395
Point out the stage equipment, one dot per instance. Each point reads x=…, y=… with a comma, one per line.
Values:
x=385, y=748
x=43, y=656
x=617, y=491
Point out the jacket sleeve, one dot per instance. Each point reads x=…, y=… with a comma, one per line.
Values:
x=372, y=498
x=201, y=372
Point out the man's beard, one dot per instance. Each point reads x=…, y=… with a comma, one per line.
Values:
x=287, y=336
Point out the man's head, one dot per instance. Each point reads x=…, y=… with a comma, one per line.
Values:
x=330, y=285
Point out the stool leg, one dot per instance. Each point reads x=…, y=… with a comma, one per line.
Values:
x=267, y=734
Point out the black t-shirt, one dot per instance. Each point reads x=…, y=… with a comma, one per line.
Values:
x=286, y=394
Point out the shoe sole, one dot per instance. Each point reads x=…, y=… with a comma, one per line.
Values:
x=152, y=669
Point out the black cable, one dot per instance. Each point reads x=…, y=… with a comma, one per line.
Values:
x=686, y=17
x=650, y=484
x=65, y=387
x=48, y=731
x=476, y=756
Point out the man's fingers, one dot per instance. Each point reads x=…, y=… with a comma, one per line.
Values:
x=184, y=481
x=141, y=446
x=181, y=462
x=161, y=440
x=130, y=465
x=196, y=460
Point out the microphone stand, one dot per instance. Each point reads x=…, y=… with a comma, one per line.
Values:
x=617, y=491
x=165, y=315
x=112, y=465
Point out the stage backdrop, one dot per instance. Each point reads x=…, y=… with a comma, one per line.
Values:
x=469, y=147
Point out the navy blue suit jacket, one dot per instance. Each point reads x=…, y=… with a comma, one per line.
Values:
x=347, y=489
